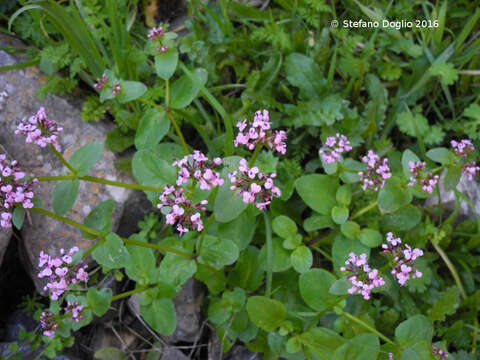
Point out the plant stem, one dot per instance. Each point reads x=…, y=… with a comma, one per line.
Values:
x=100, y=181
x=172, y=120
x=365, y=325
x=320, y=314
x=364, y=210
x=452, y=269
x=92, y=248
x=321, y=251
x=62, y=159
x=167, y=93
x=131, y=292
x=258, y=148
x=269, y=244
x=158, y=247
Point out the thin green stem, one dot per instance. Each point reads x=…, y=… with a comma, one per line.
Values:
x=92, y=248
x=100, y=181
x=131, y=292
x=452, y=269
x=167, y=93
x=172, y=120
x=67, y=221
x=320, y=314
x=269, y=244
x=62, y=159
x=258, y=148
x=365, y=325
x=158, y=247
x=364, y=210
x=321, y=251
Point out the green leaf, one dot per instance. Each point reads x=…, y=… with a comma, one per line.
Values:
x=240, y=230
x=110, y=353
x=343, y=246
x=160, y=315
x=415, y=329
x=340, y=214
x=131, y=90
x=301, y=259
x=99, y=300
x=111, y=253
x=304, y=73
x=314, y=288
x=350, y=229
x=228, y=205
x=344, y=195
x=421, y=350
x=246, y=273
x=404, y=219
x=448, y=74
x=393, y=195
x=100, y=218
x=317, y=222
x=407, y=156
x=18, y=217
x=361, y=347
x=472, y=111
x=84, y=158
x=445, y=305
x=284, y=226
x=176, y=270
x=370, y=237
x=281, y=257
x=322, y=342
x=441, y=155
x=413, y=125
x=64, y=195
x=142, y=264
x=153, y=126
x=218, y=252
x=318, y=192
x=166, y=63
x=150, y=170
x=452, y=177
x=267, y=314
x=340, y=287
x=184, y=91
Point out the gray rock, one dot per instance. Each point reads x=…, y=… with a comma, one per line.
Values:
x=136, y=207
x=19, y=321
x=240, y=352
x=44, y=233
x=170, y=353
x=5, y=235
x=23, y=349
x=470, y=188
x=188, y=306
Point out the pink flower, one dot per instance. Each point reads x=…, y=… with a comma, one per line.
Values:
x=40, y=130
x=442, y=355
x=183, y=211
x=101, y=82
x=377, y=172
x=60, y=272
x=75, y=309
x=403, y=255
x=470, y=169
x=254, y=186
x=463, y=147
x=363, y=278
x=155, y=33
x=200, y=168
x=259, y=131
x=428, y=180
x=48, y=324
x=333, y=147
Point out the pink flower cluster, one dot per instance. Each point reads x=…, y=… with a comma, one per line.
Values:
x=259, y=131
x=470, y=169
x=48, y=324
x=75, y=309
x=40, y=130
x=183, y=211
x=13, y=191
x=463, y=147
x=377, y=172
x=103, y=84
x=428, y=182
x=198, y=166
x=157, y=34
x=403, y=257
x=60, y=271
x=100, y=84
x=442, y=355
x=255, y=187
x=363, y=278
x=333, y=147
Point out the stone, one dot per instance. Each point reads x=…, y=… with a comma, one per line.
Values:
x=5, y=235
x=43, y=233
x=18, y=321
x=135, y=208
x=23, y=349
x=240, y=352
x=170, y=353
x=121, y=339
x=471, y=189
x=188, y=304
